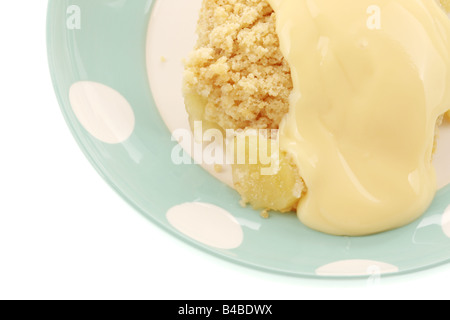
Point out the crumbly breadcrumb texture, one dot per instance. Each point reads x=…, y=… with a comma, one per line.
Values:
x=237, y=65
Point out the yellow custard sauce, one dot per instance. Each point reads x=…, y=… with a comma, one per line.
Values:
x=371, y=78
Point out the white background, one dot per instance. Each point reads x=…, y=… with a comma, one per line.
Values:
x=64, y=234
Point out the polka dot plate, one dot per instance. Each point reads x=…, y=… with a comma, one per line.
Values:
x=117, y=66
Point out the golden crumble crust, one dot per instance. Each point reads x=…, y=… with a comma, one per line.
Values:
x=237, y=65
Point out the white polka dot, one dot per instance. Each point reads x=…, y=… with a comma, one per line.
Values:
x=446, y=222
x=356, y=268
x=102, y=111
x=207, y=224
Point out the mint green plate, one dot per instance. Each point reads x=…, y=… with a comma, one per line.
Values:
x=116, y=67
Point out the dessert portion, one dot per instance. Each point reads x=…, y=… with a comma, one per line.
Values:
x=237, y=78
x=356, y=90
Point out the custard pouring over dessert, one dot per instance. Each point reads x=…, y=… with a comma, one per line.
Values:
x=356, y=88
